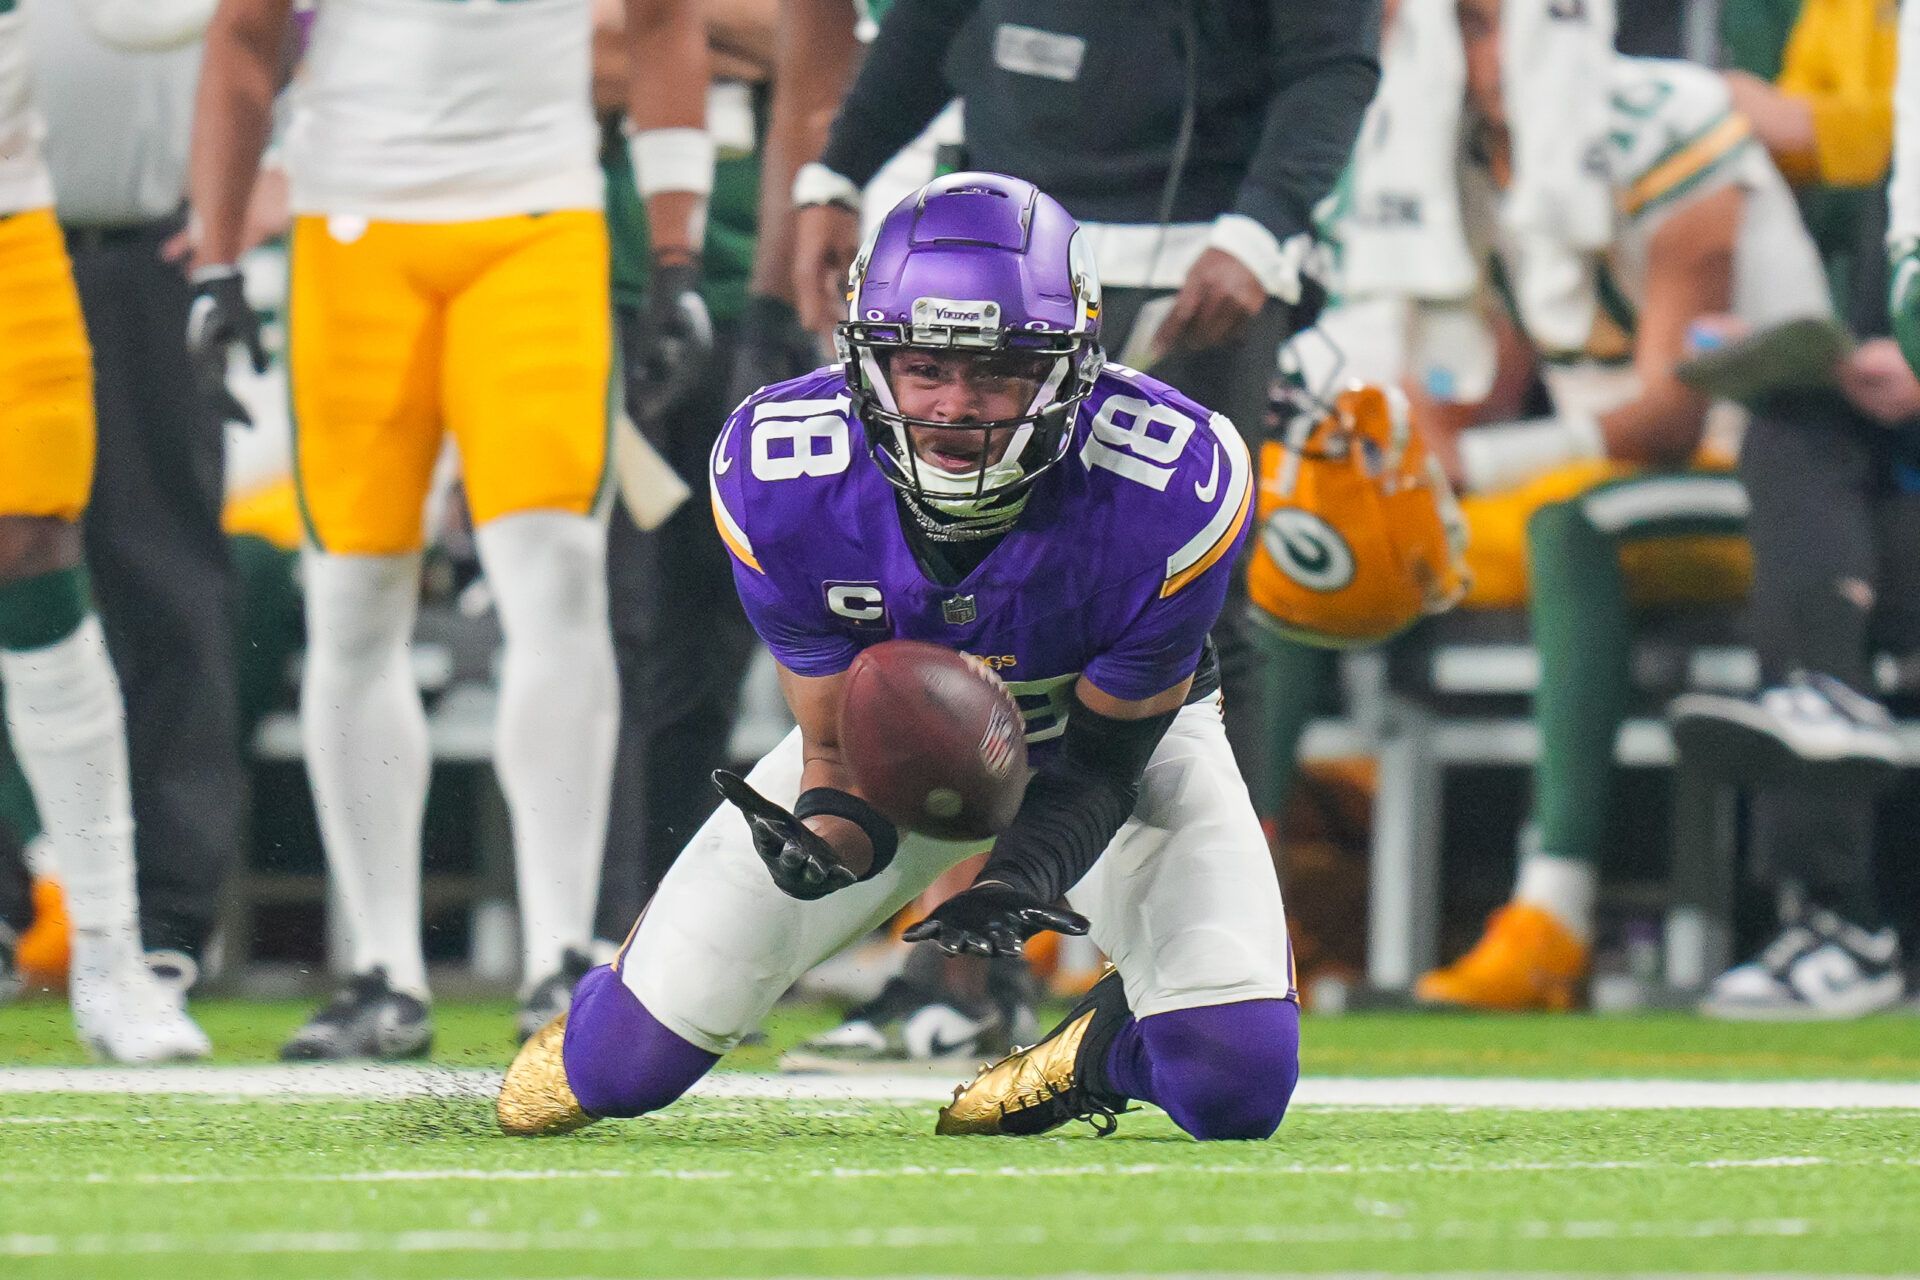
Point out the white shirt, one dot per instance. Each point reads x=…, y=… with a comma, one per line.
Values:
x=411, y=111
x=24, y=182
x=1903, y=191
x=117, y=158
x=128, y=24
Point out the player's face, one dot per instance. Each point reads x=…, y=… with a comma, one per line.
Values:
x=961, y=388
x=1480, y=37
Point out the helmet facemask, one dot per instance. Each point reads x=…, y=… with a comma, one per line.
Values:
x=928, y=457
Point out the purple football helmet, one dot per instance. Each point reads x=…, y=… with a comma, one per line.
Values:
x=981, y=264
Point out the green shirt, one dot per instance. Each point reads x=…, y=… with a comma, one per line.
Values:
x=727, y=255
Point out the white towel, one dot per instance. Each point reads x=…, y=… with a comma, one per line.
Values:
x=1556, y=57
x=1403, y=235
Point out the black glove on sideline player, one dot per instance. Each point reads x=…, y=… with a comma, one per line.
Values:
x=802, y=864
x=676, y=337
x=219, y=316
x=992, y=919
x=772, y=347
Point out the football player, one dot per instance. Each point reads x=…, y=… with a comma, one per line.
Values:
x=1624, y=495
x=974, y=474
x=63, y=705
x=449, y=274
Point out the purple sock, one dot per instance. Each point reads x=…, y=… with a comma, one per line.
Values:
x=1223, y=1071
x=620, y=1061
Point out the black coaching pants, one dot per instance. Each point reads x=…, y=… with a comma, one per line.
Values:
x=1234, y=378
x=161, y=579
x=682, y=643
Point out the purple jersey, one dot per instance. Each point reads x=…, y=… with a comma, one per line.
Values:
x=1116, y=570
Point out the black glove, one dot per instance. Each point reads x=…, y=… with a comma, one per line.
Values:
x=772, y=347
x=218, y=317
x=676, y=338
x=1305, y=313
x=800, y=861
x=991, y=919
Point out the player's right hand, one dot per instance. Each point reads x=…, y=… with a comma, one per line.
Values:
x=825, y=239
x=219, y=316
x=800, y=861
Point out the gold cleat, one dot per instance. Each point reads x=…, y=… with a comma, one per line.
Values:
x=535, y=1100
x=1043, y=1087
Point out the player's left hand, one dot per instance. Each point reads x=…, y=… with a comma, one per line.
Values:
x=798, y=858
x=219, y=317
x=676, y=336
x=992, y=919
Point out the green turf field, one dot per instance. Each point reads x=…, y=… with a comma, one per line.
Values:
x=153, y=1185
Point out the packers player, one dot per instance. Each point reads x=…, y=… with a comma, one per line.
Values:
x=1624, y=494
x=63, y=707
x=449, y=277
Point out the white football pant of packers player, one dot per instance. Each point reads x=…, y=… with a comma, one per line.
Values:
x=449, y=275
x=1685, y=221
x=63, y=707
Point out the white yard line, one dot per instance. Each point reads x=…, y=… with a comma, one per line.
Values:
x=481, y=1240
x=996, y=1172
x=397, y=1082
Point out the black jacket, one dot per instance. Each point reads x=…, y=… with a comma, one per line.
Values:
x=1279, y=89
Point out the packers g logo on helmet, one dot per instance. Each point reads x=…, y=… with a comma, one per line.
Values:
x=1360, y=535
x=1307, y=549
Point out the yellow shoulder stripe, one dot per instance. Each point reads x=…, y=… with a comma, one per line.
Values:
x=1214, y=552
x=733, y=535
x=1685, y=163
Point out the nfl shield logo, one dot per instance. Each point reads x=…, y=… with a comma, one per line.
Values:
x=958, y=610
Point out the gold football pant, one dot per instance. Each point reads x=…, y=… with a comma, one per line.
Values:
x=46, y=374
x=497, y=331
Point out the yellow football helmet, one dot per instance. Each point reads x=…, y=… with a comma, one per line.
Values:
x=1359, y=534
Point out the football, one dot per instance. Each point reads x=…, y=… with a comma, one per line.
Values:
x=934, y=740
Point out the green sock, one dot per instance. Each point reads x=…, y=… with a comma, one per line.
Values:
x=1582, y=630
x=34, y=613
x=1298, y=679
x=44, y=610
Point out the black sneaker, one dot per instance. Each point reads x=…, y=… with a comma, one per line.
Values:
x=366, y=1018
x=908, y=1025
x=1812, y=729
x=1818, y=967
x=552, y=995
x=1062, y=1078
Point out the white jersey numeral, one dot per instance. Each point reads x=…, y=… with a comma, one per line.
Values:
x=786, y=449
x=1122, y=439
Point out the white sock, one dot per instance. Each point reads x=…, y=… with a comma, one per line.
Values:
x=365, y=733
x=68, y=726
x=559, y=718
x=1563, y=887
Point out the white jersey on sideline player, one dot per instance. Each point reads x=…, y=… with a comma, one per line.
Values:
x=401, y=111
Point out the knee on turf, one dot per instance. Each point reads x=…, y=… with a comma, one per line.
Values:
x=1229, y=1072
x=620, y=1060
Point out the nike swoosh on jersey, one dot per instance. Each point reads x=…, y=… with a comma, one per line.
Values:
x=722, y=462
x=1205, y=492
